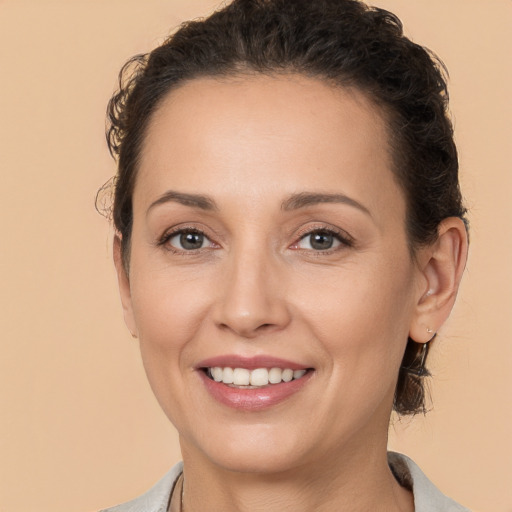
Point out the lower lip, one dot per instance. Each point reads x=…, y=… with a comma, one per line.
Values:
x=254, y=399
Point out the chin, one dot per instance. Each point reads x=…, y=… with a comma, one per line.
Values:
x=251, y=449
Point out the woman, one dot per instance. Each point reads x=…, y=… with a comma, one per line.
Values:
x=290, y=237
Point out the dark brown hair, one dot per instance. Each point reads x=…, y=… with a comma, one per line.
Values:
x=344, y=42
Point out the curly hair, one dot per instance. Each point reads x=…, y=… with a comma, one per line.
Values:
x=343, y=42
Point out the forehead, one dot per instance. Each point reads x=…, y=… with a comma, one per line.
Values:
x=255, y=134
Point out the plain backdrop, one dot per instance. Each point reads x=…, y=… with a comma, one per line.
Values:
x=79, y=427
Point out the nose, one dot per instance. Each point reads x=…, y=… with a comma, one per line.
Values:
x=252, y=298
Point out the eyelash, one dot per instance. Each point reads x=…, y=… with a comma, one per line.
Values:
x=167, y=236
x=345, y=240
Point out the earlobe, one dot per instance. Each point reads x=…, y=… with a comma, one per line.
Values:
x=442, y=264
x=124, y=287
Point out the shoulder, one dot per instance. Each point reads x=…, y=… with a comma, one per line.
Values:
x=156, y=499
x=427, y=497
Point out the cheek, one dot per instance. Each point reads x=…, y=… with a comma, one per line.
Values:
x=168, y=306
x=362, y=320
x=168, y=312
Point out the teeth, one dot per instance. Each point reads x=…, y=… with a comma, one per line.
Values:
x=228, y=376
x=254, y=378
x=297, y=374
x=241, y=377
x=259, y=377
x=287, y=375
x=275, y=375
x=217, y=374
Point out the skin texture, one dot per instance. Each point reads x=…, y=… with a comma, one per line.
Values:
x=257, y=287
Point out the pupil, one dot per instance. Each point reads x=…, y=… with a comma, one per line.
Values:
x=321, y=241
x=191, y=240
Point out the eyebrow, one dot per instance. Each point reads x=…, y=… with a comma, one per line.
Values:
x=305, y=199
x=294, y=202
x=194, y=200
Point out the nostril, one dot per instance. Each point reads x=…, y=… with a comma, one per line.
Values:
x=248, y=331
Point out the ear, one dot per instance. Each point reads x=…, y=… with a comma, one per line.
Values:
x=124, y=287
x=442, y=265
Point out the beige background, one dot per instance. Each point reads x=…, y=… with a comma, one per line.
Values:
x=79, y=428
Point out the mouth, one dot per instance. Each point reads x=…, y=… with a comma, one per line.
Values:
x=255, y=383
x=245, y=378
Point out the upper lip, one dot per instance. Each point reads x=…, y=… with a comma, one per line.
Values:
x=250, y=363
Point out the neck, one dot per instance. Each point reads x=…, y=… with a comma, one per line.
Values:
x=354, y=481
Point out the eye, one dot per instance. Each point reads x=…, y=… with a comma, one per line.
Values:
x=321, y=240
x=188, y=240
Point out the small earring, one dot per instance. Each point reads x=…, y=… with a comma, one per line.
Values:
x=432, y=334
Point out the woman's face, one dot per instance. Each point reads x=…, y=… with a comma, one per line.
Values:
x=269, y=234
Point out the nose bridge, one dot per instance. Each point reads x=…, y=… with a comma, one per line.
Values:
x=252, y=300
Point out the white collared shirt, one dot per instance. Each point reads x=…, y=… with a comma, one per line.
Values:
x=427, y=498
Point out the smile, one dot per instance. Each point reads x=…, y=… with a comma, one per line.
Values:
x=245, y=378
x=253, y=384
